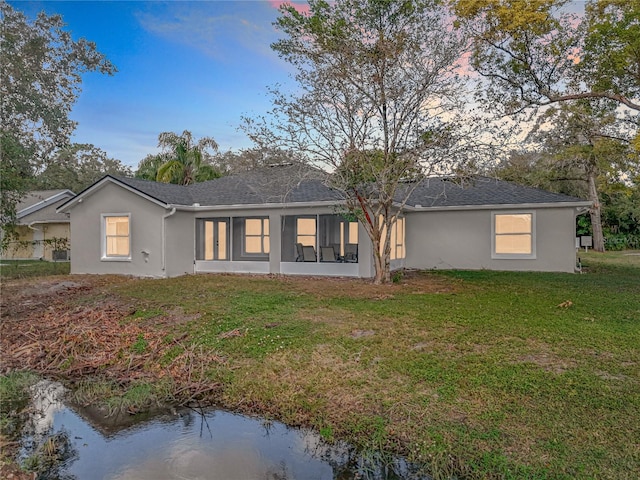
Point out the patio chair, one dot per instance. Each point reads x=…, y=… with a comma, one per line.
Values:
x=309, y=253
x=327, y=254
x=299, y=253
x=336, y=250
x=351, y=253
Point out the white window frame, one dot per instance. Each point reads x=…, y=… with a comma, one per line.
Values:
x=314, y=236
x=103, y=238
x=396, y=239
x=264, y=234
x=514, y=256
x=399, y=241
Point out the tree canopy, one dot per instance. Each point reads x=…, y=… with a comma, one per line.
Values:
x=41, y=68
x=375, y=80
x=578, y=73
x=182, y=160
x=536, y=53
x=76, y=167
x=581, y=150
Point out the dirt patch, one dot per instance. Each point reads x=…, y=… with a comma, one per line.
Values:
x=76, y=327
x=548, y=361
x=10, y=470
x=331, y=287
x=28, y=296
x=361, y=333
x=610, y=376
x=44, y=328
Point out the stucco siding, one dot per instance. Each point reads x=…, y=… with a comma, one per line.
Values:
x=145, y=231
x=54, y=235
x=461, y=239
x=37, y=242
x=180, y=243
x=21, y=247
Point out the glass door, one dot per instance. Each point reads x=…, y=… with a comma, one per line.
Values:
x=216, y=235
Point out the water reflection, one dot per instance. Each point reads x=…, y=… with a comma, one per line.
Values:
x=192, y=445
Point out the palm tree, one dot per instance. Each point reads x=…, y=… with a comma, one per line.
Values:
x=185, y=162
x=148, y=167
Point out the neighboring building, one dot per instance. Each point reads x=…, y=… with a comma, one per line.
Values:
x=42, y=232
x=285, y=220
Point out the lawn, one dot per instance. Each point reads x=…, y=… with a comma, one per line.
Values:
x=12, y=269
x=478, y=374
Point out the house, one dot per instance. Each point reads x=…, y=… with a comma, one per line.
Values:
x=285, y=220
x=42, y=232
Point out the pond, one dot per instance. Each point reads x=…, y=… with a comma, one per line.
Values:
x=188, y=444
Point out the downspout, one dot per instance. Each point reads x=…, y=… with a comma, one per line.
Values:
x=164, y=218
x=33, y=228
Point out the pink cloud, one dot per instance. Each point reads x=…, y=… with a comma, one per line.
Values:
x=300, y=7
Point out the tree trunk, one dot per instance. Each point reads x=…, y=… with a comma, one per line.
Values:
x=595, y=212
x=378, y=278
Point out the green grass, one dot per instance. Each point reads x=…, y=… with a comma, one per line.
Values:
x=12, y=269
x=478, y=374
x=139, y=396
x=505, y=375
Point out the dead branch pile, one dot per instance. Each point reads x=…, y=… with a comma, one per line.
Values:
x=103, y=340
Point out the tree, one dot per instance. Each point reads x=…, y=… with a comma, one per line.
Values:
x=182, y=161
x=76, y=167
x=587, y=145
x=375, y=79
x=536, y=53
x=621, y=208
x=247, y=159
x=41, y=69
x=15, y=170
x=148, y=167
x=583, y=150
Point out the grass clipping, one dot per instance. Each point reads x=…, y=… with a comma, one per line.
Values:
x=105, y=340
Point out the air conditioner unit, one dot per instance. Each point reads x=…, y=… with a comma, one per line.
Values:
x=60, y=255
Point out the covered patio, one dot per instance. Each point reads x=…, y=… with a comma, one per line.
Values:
x=320, y=244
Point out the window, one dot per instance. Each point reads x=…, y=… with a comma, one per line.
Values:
x=396, y=240
x=116, y=237
x=306, y=231
x=353, y=232
x=348, y=234
x=513, y=235
x=256, y=236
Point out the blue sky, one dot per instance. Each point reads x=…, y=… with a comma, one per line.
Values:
x=182, y=65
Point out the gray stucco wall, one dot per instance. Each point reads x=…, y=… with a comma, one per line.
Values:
x=458, y=239
x=179, y=243
x=145, y=228
x=461, y=239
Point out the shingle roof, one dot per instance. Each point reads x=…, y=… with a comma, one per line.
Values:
x=444, y=192
x=47, y=214
x=276, y=184
x=36, y=196
x=295, y=184
x=168, y=193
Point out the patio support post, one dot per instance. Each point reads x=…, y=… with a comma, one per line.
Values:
x=275, y=242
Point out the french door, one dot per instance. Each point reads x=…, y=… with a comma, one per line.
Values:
x=216, y=239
